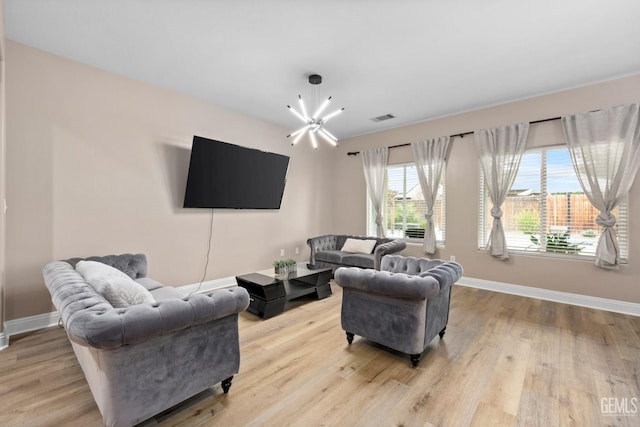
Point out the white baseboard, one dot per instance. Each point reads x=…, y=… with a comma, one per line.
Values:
x=4, y=341
x=210, y=285
x=30, y=323
x=555, y=296
x=46, y=320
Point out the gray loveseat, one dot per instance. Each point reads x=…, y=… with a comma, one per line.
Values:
x=403, y=306
x=326, y=252
x=145, y=358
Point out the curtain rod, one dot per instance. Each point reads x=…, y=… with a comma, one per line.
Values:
x=461, y=135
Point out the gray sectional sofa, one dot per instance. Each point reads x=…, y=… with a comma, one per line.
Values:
x=326, y=251
x=142, y=359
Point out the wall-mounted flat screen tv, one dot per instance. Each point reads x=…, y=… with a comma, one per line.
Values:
x=223, y=175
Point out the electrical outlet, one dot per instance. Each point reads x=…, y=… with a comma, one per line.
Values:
x=297, y=251
x=281, y=252
x=452, y=258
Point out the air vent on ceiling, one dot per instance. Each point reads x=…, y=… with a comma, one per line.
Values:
x=383, y=118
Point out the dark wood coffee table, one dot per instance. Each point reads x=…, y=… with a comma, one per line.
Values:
x=270, y=293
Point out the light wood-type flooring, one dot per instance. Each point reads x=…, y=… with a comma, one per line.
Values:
x=505, y=360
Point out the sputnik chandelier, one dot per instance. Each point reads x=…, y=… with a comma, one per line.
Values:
x=314, y=125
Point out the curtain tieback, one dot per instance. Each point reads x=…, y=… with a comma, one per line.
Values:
x=606, y=219
x=496, y=213
x=428, y=215
x=379, y=219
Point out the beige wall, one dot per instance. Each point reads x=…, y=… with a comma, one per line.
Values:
x=580, y=277
x=97, y=164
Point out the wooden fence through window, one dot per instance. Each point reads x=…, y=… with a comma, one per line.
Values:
x=565, y=212
x=571, y=212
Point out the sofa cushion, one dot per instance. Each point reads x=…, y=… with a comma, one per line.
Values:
x=166, y=293
x=114, y=285
x=149, y=284
x=359, y=246
x=158, y=290
x=334, y=256
x=358, y=260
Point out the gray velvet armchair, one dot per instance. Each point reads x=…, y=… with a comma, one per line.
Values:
x=403, y=306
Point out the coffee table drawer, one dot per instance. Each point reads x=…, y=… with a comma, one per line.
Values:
x=261, y=286
x=266, y=309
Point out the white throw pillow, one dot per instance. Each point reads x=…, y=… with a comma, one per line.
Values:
x=359, y=246
x=95, y=269
x=114, y=285
x=121, y=293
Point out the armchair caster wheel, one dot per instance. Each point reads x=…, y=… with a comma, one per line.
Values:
x=226, y=384
x=415, y=358
x=349, y=337
x=441, y=333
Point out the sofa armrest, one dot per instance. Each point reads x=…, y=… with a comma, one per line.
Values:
x=112, y=328
x=326, y=242
x=398, y=285
x=446, y=273
x=91, y=321
x=386, y=249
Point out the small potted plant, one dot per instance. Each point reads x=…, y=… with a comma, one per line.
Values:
x=278, y=267
x=291, y=265
x=285, y=267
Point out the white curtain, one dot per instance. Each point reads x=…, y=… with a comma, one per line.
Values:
x=605, y=150
x=500, y=150
x=374, y=163
x=430, y=156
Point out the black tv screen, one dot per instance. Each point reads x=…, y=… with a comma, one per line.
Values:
x=223, y=175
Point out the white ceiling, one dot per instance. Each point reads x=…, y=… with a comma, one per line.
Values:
x=417, y=60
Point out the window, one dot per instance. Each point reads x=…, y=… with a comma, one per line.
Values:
x=404, y=206
x=546, y=210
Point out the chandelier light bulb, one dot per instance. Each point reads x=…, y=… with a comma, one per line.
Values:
x=297, y=138
x=322, y=107
x=314, y=142
x=325, y=132
x=326, y=137
x=335, y=113
x=293, y=110
x=298, y=132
